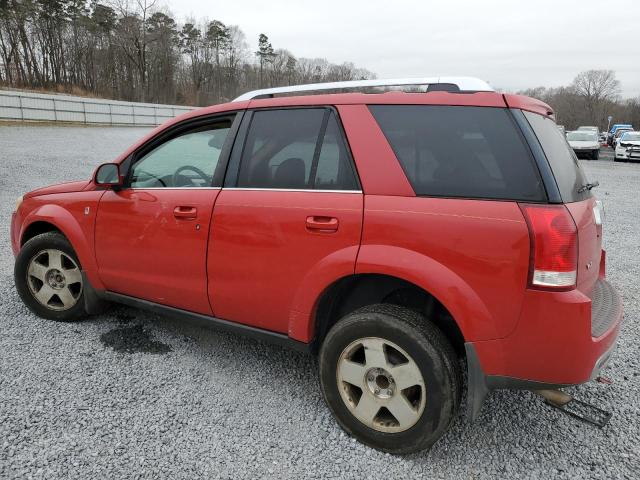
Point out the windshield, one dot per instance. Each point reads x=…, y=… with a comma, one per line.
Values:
x=630, y=136
x=582, y=136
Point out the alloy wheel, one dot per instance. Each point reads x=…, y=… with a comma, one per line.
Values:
x=381, y=385
x=54, y=279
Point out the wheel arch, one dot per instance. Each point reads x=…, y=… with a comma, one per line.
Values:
x=35, y=228
x=50, y=217
x=352, y=292
x=405, y=277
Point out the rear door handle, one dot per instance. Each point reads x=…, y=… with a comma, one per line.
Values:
x=322, y=224
x=185, y=213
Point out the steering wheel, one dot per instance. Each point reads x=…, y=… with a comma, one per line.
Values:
x=200, y=173
x=151, y=176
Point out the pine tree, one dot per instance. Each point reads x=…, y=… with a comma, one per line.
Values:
x=265, y=53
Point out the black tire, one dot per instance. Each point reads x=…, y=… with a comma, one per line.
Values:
x=46, y=241
x=427, y=347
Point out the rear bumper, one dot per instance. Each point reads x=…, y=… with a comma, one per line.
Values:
x=585, y=151
x=561, y=339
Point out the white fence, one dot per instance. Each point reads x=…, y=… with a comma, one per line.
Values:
x=19, y=105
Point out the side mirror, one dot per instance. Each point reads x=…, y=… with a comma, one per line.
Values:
x=108, y=175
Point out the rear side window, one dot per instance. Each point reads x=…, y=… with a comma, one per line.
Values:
x=469, y=152
x=566, y=169
x=296, y=149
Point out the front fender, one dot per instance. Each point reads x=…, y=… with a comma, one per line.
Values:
x=75, y=222
x=467, y=308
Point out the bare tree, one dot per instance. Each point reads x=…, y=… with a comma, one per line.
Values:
x=596, y=88
x=132, y=35
x=130, y=50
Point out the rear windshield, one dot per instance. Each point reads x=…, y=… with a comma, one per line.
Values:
x=469, y=152
x=566, y=168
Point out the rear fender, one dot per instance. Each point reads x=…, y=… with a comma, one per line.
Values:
x=337, y=265
x=464, y=304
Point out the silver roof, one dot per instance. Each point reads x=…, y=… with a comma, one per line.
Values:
x=463, y=83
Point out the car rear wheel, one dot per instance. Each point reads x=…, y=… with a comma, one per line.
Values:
x=48, y=277
x=390, y=378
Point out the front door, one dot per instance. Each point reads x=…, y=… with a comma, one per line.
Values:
x=151, y=235
x=290, y=215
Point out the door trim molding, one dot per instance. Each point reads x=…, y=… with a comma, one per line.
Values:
x=307, y=190
x=207, y=321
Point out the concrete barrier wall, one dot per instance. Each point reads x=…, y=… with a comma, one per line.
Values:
x=39, y=107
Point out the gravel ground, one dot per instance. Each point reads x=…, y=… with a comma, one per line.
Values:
x=128, y=394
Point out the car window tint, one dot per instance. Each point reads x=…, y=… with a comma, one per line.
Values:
x=296, y=149
x=334, y=170
x=188, y=160
x=469, y=152
x=564, y=163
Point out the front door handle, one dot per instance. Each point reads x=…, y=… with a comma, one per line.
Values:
x=322, y=224
x=185, y=213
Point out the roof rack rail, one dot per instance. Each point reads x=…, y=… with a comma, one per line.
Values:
x=463, y=84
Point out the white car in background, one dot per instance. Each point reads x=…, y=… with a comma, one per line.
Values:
x=628, y=147
x=584, y=143
x=618, y=134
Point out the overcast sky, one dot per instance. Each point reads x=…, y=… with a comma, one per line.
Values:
x=512, y=44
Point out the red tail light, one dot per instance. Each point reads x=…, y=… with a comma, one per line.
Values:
x=554, y=247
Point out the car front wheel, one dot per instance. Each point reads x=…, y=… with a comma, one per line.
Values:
x=390, y=378
x=48, y=278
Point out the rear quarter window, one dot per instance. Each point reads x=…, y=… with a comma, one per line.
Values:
x=466, y=152
x=563, y=162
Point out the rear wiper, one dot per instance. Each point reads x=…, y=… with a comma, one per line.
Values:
x=588, y=186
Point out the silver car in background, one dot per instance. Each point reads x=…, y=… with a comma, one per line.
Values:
x=590, y=129
x=585, y=143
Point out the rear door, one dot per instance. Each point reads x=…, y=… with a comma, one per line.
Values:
x=580, y=202
x=290, y=214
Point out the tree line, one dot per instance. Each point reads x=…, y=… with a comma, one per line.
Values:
x=131, y=50
x=590, y=99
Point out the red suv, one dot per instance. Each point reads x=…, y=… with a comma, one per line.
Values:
x=401, y=237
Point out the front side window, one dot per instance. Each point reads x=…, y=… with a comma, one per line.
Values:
x=300, y=149
x=464, y=152
x=187, y=160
